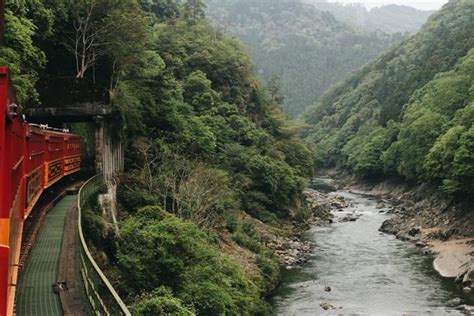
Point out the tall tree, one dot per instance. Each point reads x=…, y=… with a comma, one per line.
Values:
x=116, y=29
x=194, y=10
x=274, y=89
x=162, y=9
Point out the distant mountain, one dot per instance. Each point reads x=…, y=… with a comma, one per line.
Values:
x=409, y=113
x=308, y=48
x=395, y=18
x=389, y=18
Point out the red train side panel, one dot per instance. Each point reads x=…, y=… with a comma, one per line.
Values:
x=31, y=159
x=54, y=161
x=4, y=216
x=13, y=145
x=72, y=156
x=36, y=153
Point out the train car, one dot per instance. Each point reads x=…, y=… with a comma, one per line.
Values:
x=35, y=149
x=54, y=160
x=32, y=158
x=12, y=169
x=72, y=154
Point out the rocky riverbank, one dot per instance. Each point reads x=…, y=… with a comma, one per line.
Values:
x=441, y=226
x=292, y=250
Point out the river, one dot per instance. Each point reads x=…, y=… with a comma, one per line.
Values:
x=369, y=272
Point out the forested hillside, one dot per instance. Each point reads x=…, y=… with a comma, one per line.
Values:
x=388, y=18
x=409, y=113
x=206, y=146
x=305, y=48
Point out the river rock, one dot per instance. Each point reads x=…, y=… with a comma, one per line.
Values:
x=403, y=236
x=338, y=202
x=414, y=231
x=467, y=289
x=390, y=227
x=421, y=244
x=350, y=218
x=337, y=205
x=454, y=302
x=327, y=306
x=468, y=278
x=380, y=205
x=466, y=309
x=292, y=245
x=427, y=251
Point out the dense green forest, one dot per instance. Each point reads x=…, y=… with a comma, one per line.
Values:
x=206, y=145
x=304, y=48
x=409, y=113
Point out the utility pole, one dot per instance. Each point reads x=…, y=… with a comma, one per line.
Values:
x=2, y=21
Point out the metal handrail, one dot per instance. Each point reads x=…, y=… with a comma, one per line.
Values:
x=112, y=304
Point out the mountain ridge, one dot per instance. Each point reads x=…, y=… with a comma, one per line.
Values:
x=307, y=48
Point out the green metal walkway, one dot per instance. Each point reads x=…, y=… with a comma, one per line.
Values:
x=35, y=295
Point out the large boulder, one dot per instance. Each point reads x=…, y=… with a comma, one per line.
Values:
x=466, y=278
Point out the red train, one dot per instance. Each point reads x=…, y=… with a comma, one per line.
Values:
x=32, y=158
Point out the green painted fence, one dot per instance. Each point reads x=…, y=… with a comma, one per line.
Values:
x=102, y=297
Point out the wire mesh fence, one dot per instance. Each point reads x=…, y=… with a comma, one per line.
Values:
x=102, y=297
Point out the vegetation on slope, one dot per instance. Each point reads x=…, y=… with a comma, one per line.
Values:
x=205, y=144
x=409, y=112
x=302, y=47
x=388, y=18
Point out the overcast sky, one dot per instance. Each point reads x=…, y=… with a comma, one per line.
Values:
x=419, y=4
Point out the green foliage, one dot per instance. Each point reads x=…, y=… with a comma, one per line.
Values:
x=298, y=155
x=194, y=10
x=462, y=178
x=207, y=104
x=270, y=269
x=162, y=9
x=160, y=302
x=265, y=182
x=365, y=150
x=408, y=112
x=87, y=133
x=178, y=255
x=198, y=92
x=247, y=236
x=22, y=56
x=439, y=159
x=418, y=132
x=100, y=235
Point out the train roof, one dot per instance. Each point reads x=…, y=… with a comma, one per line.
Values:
x=46, y=128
